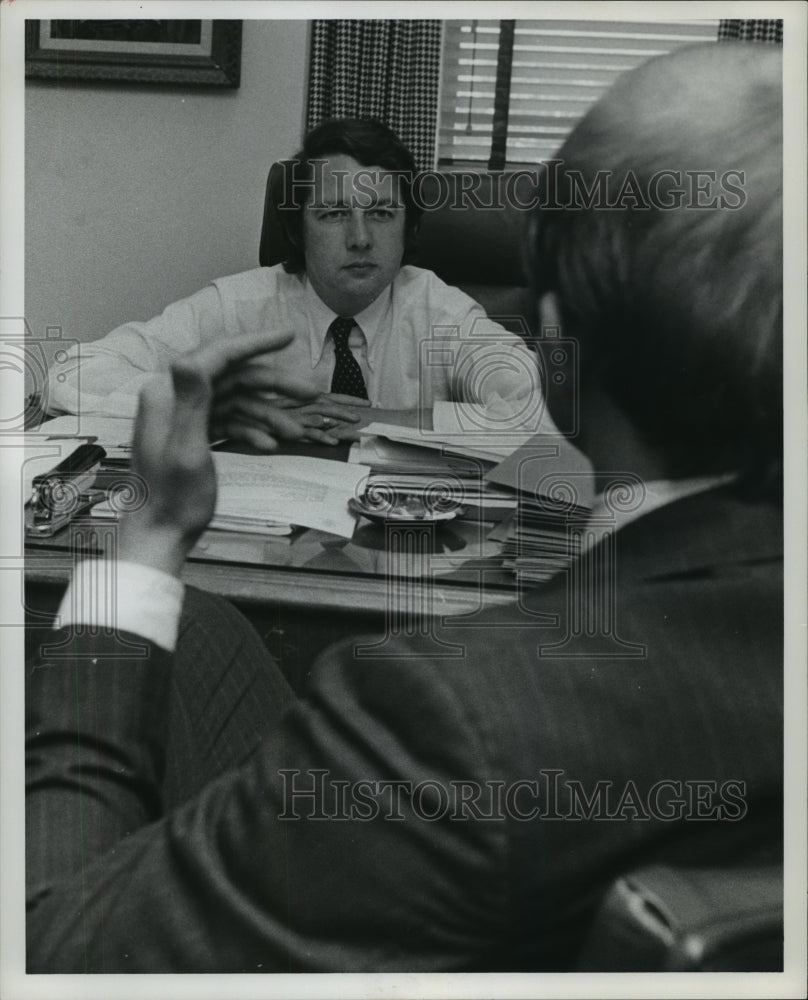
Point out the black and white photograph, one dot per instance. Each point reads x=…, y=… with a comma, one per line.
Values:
x=403, y=467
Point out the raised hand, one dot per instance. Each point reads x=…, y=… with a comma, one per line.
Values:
x=171, y=449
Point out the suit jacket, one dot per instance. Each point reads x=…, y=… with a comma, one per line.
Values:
x=455, y=802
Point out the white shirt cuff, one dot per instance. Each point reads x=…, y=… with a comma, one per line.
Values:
x=125, y=597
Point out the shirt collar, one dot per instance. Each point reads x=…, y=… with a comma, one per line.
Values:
x=321, y=317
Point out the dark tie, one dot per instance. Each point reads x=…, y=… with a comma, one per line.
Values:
x=347, y=380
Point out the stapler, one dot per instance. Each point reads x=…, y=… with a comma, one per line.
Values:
x=66, y=491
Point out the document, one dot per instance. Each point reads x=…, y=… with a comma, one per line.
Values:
x=464, y=445
x=498, y=431
x=288, y=489
x=384, y=455
x=468, y=430
x=114, y=434
x=545, y=464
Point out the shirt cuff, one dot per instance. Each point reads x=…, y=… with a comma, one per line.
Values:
x=126, y=597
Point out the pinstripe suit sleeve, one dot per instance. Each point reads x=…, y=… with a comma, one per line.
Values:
x=96, y=712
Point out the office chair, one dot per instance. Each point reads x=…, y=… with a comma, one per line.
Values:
x=662, y=919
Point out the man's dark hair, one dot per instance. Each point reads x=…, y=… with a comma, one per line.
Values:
x=678, y=308
x=366, y=140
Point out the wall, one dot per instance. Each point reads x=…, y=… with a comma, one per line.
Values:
x=136, y=197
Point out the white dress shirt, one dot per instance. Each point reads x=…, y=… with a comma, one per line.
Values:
x=420, y=341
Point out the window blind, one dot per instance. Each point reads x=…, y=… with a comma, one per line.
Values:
x=558, y=69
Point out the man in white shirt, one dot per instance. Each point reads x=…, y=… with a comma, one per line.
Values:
x=348, y=209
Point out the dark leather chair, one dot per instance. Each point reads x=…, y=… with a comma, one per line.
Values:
x=661, y=919
x=467, y=244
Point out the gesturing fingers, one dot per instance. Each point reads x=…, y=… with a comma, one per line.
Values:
x=336, y=397
x=256, y=376
x=333, y=411
x=260, y=413
x=217, y=357
x=170, y=452
x=323, y=406
x=152, y=422
x=257, y=438
x=233, y=414
x=237, y=427
x=192, y=402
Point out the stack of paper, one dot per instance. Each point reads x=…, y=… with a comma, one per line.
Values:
x=253, y=525
x=269, y=494
x=443, y=492
x=266, y=491
x=383, y=454
x=554, y=486
x=110, y=509
x=535, y=482
x=459, y=431
x=465, y=445
x=445, y=470
x=472, y=428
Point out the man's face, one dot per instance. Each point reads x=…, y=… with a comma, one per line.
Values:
x=353, y=234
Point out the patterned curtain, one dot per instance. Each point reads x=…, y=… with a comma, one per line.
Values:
x=750, y=31
x=379, y=69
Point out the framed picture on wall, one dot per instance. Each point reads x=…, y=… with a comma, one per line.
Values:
x=195, y=53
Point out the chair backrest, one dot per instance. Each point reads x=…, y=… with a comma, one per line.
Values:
x=470, y=236
x=661, y=919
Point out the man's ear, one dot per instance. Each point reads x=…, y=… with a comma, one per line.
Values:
x=550, y=312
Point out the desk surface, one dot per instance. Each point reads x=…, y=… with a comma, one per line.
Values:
x=446, y=568
x=320, y=570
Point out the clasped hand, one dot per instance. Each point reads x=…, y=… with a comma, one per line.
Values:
x=248, y=400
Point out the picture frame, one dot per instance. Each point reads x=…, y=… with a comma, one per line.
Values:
x=195, y=53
